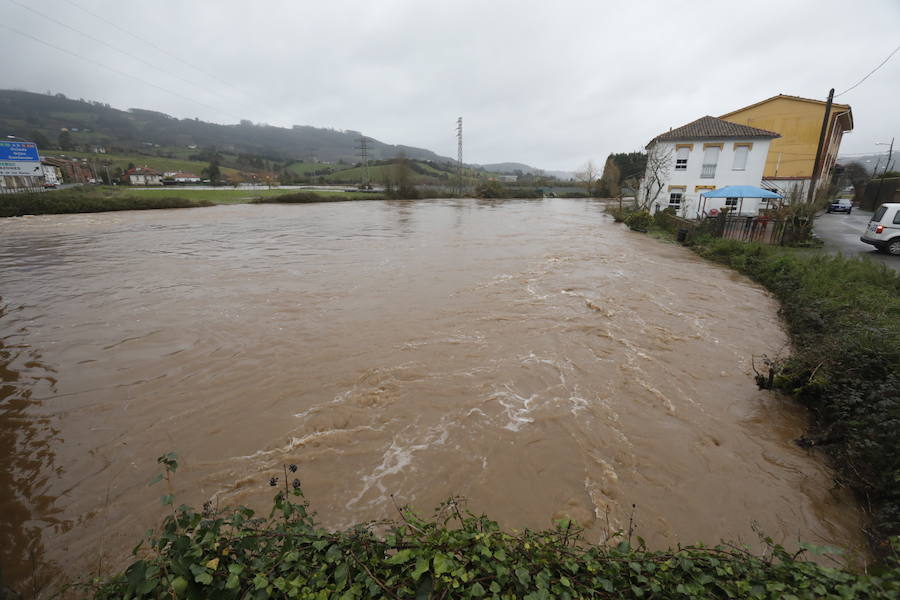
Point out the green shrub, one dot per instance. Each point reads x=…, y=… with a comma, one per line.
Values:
x=639, y=220
x=302, y=198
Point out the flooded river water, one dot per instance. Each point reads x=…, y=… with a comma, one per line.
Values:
x=531, y=356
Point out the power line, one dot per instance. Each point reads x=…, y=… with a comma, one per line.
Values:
x=113, y=69
x=99, y=41
x=148, y=42
x=870, y=72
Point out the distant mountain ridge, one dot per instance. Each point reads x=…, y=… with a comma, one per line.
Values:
x=96, y=124
x=513, y=167
x=876, y=159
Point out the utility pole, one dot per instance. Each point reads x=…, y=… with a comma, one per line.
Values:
x=888, y=162
x=459, y=158
x=364, y=155
x=887, y=166
x=815, y=172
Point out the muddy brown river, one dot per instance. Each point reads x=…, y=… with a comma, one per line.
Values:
x=532, y=356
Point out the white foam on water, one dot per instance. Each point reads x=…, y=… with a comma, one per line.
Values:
x=397, y=458
x=454, y=339
x=560, y=366
x=516, y=408
x=297, y=442
x=578, y=404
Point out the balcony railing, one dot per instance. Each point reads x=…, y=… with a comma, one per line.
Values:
x=708, y=172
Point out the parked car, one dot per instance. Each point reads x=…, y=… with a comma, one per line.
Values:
x=840, y=205
x=883, y=230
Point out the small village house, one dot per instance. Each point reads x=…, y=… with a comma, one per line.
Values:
x=177, y=177
x=142, y=176
x=789, y=166
x=70, y=171
x=52, y=175
x=704, y=155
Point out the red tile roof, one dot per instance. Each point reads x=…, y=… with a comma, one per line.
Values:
x=707, y=128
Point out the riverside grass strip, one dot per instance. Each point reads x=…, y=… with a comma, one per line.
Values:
x=102, y=199
x=86, y=201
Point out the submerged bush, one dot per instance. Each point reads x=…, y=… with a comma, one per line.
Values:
x=619, y=212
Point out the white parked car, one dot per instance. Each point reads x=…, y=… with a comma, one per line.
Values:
x=883, y=231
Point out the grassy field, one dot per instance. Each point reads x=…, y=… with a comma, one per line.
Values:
x=422, y=173
x=220, y=196
x=303, y=169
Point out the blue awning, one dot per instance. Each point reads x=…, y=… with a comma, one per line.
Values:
x=740, y=191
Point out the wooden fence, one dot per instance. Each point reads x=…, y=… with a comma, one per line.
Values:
x=762, y=229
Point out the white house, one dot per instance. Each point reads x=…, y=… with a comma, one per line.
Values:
x=706, y=154
x=142, y=176
x=180, y=177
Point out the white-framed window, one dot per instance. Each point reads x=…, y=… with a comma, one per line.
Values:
x=675, y=199
x=731, y=202
x=740, y=158
x=710, y=160
x=681, y=158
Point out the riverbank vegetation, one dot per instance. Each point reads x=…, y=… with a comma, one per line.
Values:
x=454, y=554
x=843, y=316
x=88, y=200
x=495, y=189
x=844, y=319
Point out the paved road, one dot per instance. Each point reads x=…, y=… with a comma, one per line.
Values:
x=841, y=232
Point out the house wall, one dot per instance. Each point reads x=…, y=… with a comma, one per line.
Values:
x=693, y=184
x=52, y=175
x=139, y=179
x=800, y=123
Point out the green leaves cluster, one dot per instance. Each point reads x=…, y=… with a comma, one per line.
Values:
x=455, y=554
x=639, y=220
x=844, y=320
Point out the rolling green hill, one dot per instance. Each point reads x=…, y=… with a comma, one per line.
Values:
x=112, y=140
x=124, y=132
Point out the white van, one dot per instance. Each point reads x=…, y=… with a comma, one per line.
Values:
x=883, y=231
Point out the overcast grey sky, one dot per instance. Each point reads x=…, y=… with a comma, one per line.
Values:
x=551, y=84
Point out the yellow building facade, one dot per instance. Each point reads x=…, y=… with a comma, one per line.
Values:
x=799, y=121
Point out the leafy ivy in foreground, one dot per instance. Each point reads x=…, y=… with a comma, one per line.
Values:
x=456, y=554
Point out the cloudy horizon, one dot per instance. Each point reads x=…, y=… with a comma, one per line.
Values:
x=549, y=86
